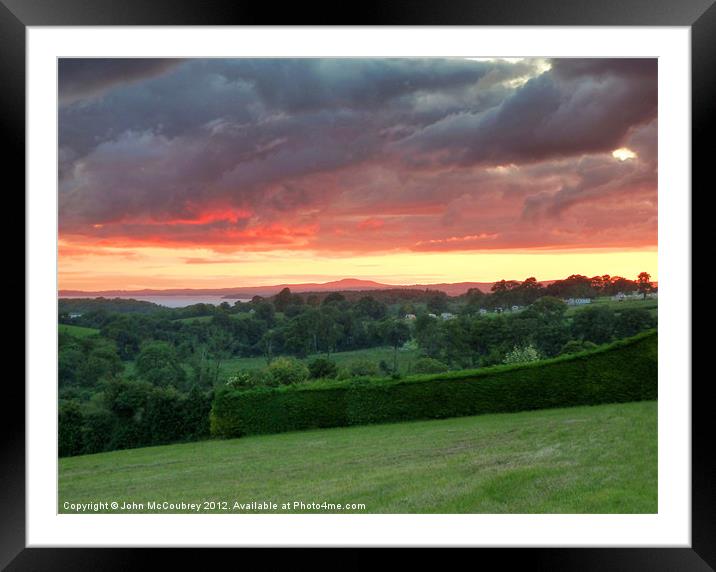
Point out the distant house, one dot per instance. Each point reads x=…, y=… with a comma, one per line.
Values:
x=432, y=316
x=447, y=316
x=619, y=296
x=516, y=308
x=410, y=316
x=652, y=295
x=74, y=315
x=578, y=301
x=252, y=311
x=483, y=311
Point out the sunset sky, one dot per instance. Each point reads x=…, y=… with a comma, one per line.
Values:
x=214, y=173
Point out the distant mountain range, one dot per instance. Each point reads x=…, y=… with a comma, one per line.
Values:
x=346, y=284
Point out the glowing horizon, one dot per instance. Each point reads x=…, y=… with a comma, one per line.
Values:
x=140, y=271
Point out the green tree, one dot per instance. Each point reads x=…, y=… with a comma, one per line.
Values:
x=266, y=312
x=359, y=368
x=157, y=363
x=547, y=326
x=287, y=371
x=369, y=307
x=99, y=362
x=329, y=331
x=631, y=321
x=333, y=298
x=429, y=365
x=595, y=324
x=284, y=299
x=643, y=283
x=427, y=334
x=322, y=368
x=395, y=334
x=70, y=423
x=437, y=303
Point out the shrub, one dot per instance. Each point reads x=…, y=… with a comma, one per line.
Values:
x=429, y=365
x=322, y=368
x=631, y=321
x=623, y=371
x=69, y=429
x=287, y=371
x=359, y=368
x=133, y=414
x=595, y=324
x=245, y=380
x=576, y=346
x=524, y=354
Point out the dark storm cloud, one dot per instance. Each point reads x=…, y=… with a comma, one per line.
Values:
x=600, y=177
x=82, y=78
x=215, y=151
x=578, y=107
x=311, y=84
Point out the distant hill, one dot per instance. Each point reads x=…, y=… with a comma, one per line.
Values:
x=345, y=285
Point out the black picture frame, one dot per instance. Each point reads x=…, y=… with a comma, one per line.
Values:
x=699, y=15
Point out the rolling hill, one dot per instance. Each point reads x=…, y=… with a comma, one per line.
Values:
x=345, y=285
x=598, y=459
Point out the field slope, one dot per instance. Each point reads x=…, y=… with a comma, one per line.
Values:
x=599, y=459
x=77, y=331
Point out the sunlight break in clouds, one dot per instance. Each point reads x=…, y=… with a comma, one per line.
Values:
x=623, y=154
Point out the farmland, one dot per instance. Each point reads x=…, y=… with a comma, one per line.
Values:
x=650, y=304
x=599, y=459
x=134, y=374
x=77, y=331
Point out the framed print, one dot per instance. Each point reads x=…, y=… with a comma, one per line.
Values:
x=418, y=279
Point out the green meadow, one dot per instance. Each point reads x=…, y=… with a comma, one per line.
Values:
x=595, y=459
x=77, y=331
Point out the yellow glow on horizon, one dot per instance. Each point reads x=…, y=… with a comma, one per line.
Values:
x=159, y=268
x=623, y=154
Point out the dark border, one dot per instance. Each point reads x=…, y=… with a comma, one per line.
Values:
x=700, y=15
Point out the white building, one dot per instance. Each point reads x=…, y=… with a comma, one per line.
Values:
x=447, y=316
x=578, y=301
x=410, y=316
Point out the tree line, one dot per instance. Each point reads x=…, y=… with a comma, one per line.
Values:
x=123, y=387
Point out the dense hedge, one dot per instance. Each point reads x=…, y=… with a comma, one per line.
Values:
x=623, y=371
x=153, y=417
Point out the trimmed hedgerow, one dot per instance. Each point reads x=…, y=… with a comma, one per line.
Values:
x=623, y=371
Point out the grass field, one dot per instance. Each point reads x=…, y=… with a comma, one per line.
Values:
x=406, y=358
x=600, y=459
x=78, y=331
x=650, y=304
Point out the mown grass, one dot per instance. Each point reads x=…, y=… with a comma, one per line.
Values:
x=77, y=331
x=600, y=459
